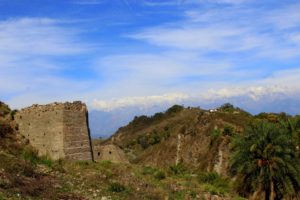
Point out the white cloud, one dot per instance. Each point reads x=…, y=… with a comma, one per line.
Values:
x=230, y=30
x=29, y=55
x=37, y=36
x=280, y=85
x=150, y=74
x=285, y=17
x=142, y=101
x=224, y=38
x=254, y=92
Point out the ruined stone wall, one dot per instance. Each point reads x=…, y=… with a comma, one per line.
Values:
x=59, y=130
x=109, y=152
x=77, y=143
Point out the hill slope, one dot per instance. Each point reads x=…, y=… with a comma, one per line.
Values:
x=196, y=138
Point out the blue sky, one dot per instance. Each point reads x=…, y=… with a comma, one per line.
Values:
x=114, y=53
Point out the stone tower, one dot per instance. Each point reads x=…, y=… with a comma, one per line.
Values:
x=59, y=130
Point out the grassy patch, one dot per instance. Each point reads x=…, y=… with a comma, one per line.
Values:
x=178, y=169
x=149, y=170
x=214, y=183
x=179, y=195
x=30, y=155
x=159, y=175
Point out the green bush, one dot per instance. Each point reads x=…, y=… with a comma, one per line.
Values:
x=4, y=109
x=148, y=170
x=214, y=183
x=227, y=107
x=228, y=130
x=175, y=109
x=214, y=190
x=143, y=141
x=178, y=169
x=166, y=134
x=31, y=155
x=116, y=187
x=159, y=175
x=193, y=194
x=45, y=160
x=215, y=134
x=157, y=116
x=154, y=139
x=210, y=177
x=12, y=114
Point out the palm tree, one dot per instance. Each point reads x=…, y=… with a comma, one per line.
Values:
x=265, y=163
x=292, y=125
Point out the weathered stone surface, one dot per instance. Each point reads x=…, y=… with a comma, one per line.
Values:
x=59, y=130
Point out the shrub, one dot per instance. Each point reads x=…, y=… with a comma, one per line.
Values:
x=149, y=170
x=212, y=189
x=12, y=114
x=159, y=175
x=178, y=169
x=215, y=134
x=154, y=139
x=175, y=109
x=210, y=177
x=116, y=187
x=143, y=141
x=228, y=130
x=4, y=109
x=214, y=183
x=193, y=194
x=227, y=107
x=166, y=135
x=5, y=129
x=45, y=160
x=157, y=116
x=31, y=155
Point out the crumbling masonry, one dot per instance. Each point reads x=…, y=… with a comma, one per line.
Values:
x=59, y=130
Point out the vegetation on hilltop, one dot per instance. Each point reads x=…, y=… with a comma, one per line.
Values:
x=4, y=109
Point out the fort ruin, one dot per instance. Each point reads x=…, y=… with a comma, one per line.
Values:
x=59, y=130
x=109, y=152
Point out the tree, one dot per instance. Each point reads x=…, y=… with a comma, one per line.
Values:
x=292, y=125
x=265, y=163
